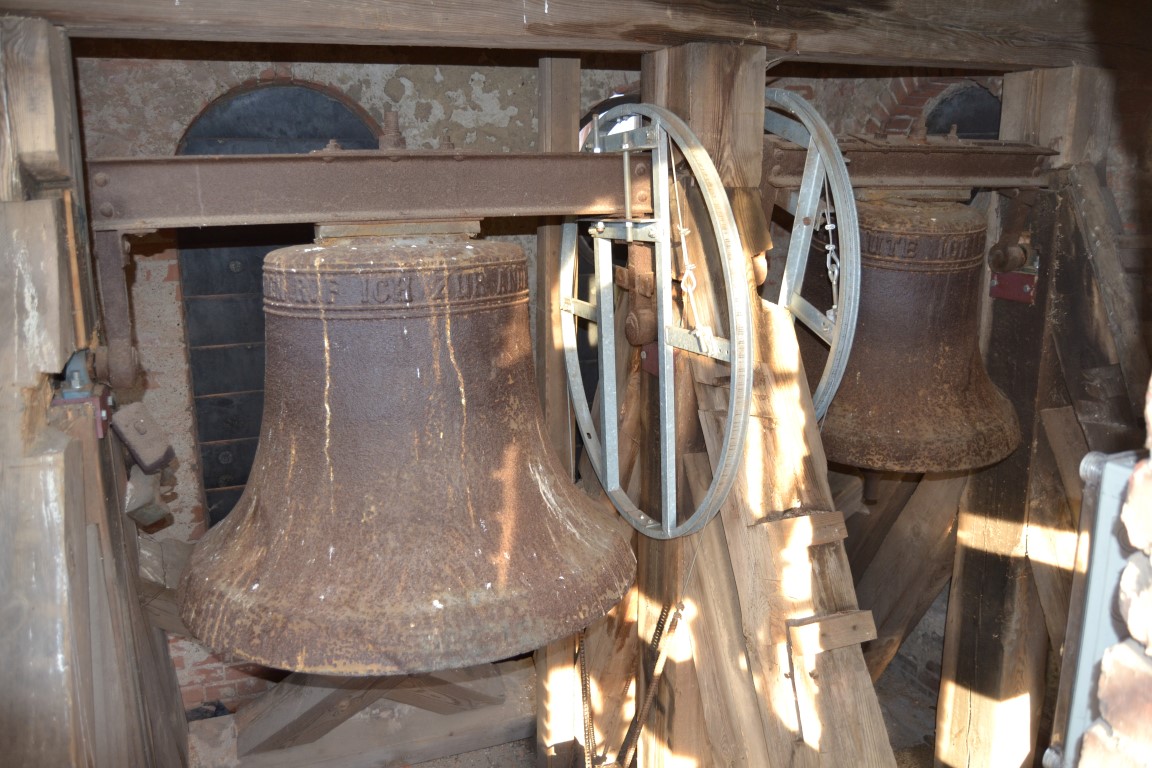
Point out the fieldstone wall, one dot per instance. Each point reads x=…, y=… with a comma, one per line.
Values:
x=1122, y=736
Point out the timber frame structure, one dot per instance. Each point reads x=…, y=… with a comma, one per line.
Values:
x=769, y=677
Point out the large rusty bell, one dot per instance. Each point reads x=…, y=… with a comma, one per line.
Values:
x=915, y=396
x=405, y=512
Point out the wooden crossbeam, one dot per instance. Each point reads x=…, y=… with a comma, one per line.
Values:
x=911, y=566
x=976, y=33
x=391, y=733
x=304, y=707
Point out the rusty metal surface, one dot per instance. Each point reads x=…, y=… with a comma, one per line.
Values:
x=916, y=397
x=930, y=163
x=352, y=186
x=405, y=512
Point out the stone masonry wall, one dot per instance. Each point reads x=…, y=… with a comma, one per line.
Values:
x=1122, y=736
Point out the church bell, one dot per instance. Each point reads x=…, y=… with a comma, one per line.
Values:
x=405, y=512
x=915, y=396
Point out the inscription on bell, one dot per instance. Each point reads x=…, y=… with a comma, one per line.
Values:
x=921, y=247
x=395, y=288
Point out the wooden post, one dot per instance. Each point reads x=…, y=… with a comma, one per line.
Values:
x=996, y=643
x=899, y=590
x=89, y=681
x=776, y=634
x=557, y=679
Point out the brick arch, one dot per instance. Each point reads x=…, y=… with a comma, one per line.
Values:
x=912, y=98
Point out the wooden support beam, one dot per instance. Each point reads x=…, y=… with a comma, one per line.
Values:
x=1070, y=110
x=728, y=691
x=1121, y=308
x=557, y=679
x=390, y=733
x=775, y=553
x=1066, y=439
x=867, y=532
x=706, y=704
x=1052, y=529
x=977, y=33
x=995, y=646
x=789, y=564
x=1041, y=114
x=40, y=155
x=304, y=707
x=899, y=589
x=89, y=680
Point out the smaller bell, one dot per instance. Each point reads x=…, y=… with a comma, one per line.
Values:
x=915, y=396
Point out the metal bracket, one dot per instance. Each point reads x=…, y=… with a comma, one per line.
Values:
x=1012, y=251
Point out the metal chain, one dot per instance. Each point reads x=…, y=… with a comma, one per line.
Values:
x=586, y=700
x=659, y=635
x=628, y=748
x=832, y=257
x=688, y=281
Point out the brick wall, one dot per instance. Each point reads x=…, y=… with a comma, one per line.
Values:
x=205, y=677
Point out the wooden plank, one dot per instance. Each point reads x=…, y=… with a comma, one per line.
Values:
x=40, y=140
x=1051, y=533
x=162, y=607
x=718, y=101
x=817, y=634
x=152, y=716
x=1121, y=306
x=1068, y=110
x=559, y=124
x=899, y=589
x=676, y=728
x=847, y=492
x=391, y=734
x=42, y=540
x=452, y=690
x=728, y=692
x=34, y=60
x=38, y=303
x=558, y=685
x=995, y=645
x=796, y=580
x=1066, y=439
x=978, y=33
x=613, y=648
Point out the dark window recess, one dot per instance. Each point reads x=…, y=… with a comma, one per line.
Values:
x=229, y=416
x=973, y=110
x=220, y=273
